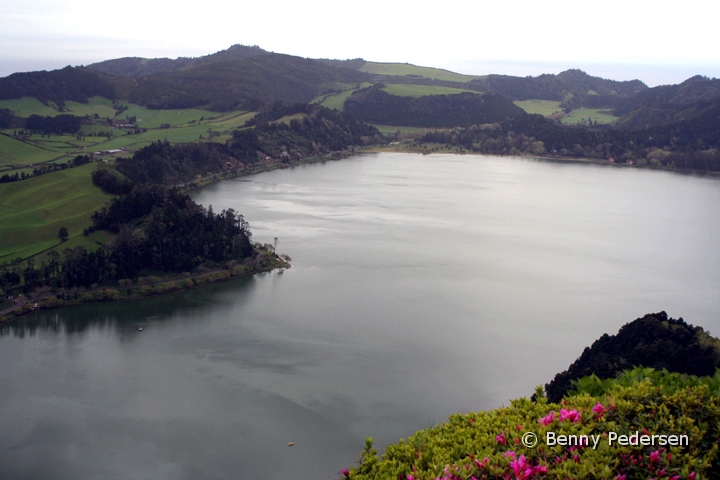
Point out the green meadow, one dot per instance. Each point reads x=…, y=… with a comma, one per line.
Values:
x=96, y=105
x=32, y=211
x=385, y=129
x=601, y=115
x=422, y=90
x=26, y=106
x=147, y=118
x=337, y=101
x=401, y=69
x=540, y=107
x=16, y=152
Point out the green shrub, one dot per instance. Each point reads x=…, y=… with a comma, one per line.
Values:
x=489, y=444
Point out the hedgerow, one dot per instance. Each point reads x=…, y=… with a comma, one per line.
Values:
x=641, y=401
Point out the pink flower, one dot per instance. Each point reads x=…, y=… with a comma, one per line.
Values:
x=501, y=438
x=410, y=477
x=509, y=454
x=599, y=409
x=519, y=427
x=654, y=456
x=572, y=415
x=519, y=466
x=691, y=476
x=346, y=472
x=540, y=470
x=622, y=477
x=547, y=419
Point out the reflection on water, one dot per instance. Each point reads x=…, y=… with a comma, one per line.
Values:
x=123, y=316
x=421, y=286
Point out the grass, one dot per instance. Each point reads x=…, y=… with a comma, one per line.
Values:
x=422, y=90
x=26, y=106
x=32, y=211
x=96, y=105
x=385, y=129
x=401, y=69
x=288, y=118
x=15, y=152
x=147, y=118
x=337, y=101
x=172, y=135
x=541, y=107
x=597, y=115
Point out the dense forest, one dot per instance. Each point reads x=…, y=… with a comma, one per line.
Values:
x=318, y=131
x=377, y=106
x=573, y=88
x=655, y=341
x=688, y=144
x=70, y=83
x=58, y=124
x=158, y=230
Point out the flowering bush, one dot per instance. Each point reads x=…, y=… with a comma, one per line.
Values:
x=489, y=444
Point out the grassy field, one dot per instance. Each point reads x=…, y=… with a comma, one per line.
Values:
x=26, y=106
x=541, y=107
x=408, y=69
x=15, y=152
x=337, y=101
x=422, y=90
x=32, y=211
x=147, y=118
x=96, y=105
x=596, y=115
x=288, y=118
x=385, y=129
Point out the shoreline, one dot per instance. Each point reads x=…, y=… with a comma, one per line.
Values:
x=180, y=282
x=583, y=160
x=264, y=261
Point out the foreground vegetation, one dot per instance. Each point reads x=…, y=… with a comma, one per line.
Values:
x=600, y=396
x=489, y=444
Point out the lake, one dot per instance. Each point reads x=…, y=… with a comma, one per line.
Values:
x=421, y=286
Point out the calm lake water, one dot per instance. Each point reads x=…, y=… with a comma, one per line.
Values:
x=421, y=286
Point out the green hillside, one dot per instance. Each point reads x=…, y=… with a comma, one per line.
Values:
x=16, y=152
x=32, y=211
x=402, y=69
x=540, y=107
x=588, y=115
x=404, y=90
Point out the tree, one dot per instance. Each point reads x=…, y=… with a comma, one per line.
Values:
x=63, y=234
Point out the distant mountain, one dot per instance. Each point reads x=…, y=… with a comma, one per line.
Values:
x=377, y=106
x=237, y=78
x=142, y=67
x=573, y=88
x=69, y=83
x=243, y=83
x=669, y=104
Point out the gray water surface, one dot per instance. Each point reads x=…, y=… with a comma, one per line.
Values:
x=421, y=286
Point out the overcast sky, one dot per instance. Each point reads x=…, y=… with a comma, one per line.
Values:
x=657, y=42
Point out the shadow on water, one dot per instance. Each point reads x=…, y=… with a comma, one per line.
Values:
x=127, y=315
